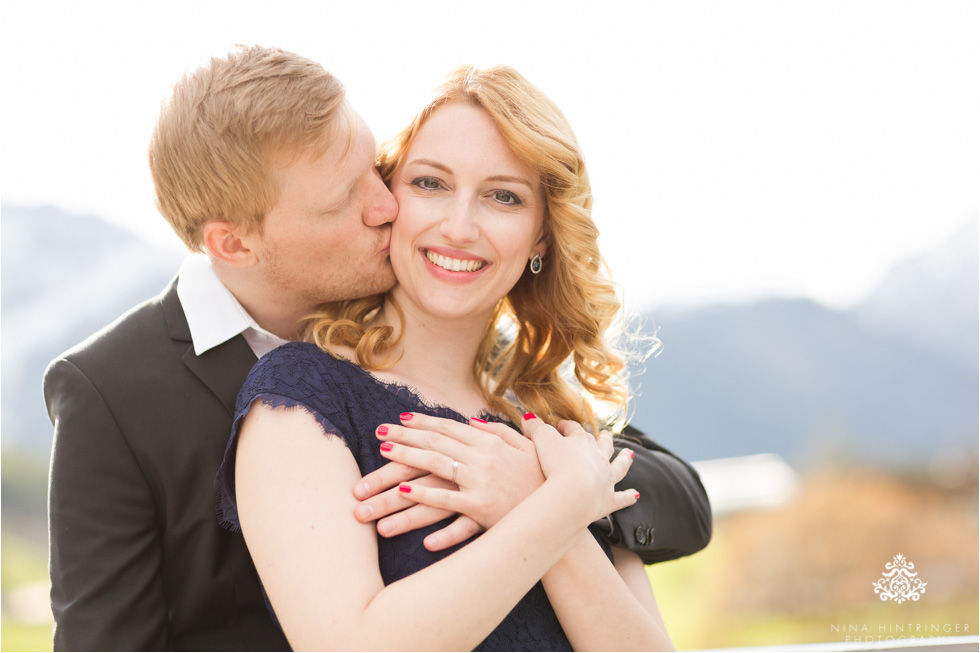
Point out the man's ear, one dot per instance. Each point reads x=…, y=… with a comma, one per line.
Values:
x=225, y=242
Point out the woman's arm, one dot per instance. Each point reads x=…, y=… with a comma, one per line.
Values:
x=602, y=606
x=599, y=608
x=319, y=565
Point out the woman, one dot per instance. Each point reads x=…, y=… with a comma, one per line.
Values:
x=499, y=285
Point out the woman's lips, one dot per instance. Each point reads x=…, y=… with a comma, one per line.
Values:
x=454, y=264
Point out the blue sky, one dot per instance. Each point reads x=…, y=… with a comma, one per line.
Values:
x=737, y=149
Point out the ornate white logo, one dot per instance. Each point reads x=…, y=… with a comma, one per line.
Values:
x=899, y=582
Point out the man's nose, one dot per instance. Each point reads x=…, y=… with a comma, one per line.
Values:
x=383, y=208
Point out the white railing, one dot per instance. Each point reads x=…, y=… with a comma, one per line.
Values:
x=952, y=643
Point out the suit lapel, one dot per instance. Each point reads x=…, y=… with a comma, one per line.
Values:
x=223, y=368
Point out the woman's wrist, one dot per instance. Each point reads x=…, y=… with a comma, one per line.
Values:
x=576, y=500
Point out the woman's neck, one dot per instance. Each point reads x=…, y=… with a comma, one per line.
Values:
x=437, y=357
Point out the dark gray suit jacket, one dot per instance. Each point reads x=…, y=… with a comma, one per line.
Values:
x=138, y=560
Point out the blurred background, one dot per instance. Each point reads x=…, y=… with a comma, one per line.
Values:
x=787, y=193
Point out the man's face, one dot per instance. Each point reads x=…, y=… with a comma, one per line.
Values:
x=327, y=237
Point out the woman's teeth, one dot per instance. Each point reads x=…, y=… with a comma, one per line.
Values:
x=454, y=264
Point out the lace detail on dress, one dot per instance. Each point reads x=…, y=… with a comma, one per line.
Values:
x=411, y=395
x=351, y=403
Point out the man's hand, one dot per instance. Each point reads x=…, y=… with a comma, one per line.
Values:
x=497, y=468
x=396, y=514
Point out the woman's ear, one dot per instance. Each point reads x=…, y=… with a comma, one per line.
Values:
x=225, y=242
x=541, y=247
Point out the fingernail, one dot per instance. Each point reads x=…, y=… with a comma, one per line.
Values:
x=530, y=416
x=382, y=430
x=632, y=453
x=477, y=419
x=386, y=446
x=404, y=488
x=362, y=490
x=637, y=495
x=406, y=416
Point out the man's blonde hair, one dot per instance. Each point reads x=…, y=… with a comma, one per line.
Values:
x=226, y=123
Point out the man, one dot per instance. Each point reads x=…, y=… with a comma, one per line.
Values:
x=258, y=162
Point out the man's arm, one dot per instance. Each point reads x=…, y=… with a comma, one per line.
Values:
x=672, y=519
x=106, y=590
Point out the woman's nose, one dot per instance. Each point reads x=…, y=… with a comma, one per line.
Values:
x=459, y=225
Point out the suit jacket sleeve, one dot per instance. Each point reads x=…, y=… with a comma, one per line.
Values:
x=672, y=519
x=105, y=558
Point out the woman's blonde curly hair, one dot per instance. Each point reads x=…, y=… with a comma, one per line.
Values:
x=550, y=325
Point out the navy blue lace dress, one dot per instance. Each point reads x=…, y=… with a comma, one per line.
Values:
x=349, y=402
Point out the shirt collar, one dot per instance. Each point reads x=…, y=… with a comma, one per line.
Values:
x=213, y=314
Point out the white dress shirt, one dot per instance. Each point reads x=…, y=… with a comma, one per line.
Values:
x=213, y=314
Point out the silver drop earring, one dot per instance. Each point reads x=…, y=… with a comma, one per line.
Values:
x=536, y=264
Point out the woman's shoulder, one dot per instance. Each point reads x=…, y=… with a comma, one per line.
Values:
x=301, y=357
x=298, y=367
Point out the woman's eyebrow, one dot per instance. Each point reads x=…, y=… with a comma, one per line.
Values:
x=508, y=178
x=447, y=169
x=431, y=163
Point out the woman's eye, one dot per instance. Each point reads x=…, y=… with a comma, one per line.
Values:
x=506, y=197
x=427, y=183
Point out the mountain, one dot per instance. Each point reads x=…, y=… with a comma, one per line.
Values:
x=893, y=381
x=929, y=302
x=62, y=277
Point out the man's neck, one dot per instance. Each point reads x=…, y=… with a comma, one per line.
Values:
x=268, y=309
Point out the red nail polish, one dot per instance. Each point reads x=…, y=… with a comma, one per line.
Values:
x=386, y=446
x=382, y=430
x=406, y=416
x=637, y=495
x=530, y=415
x=632, y=453
x=404, y=488
x=477, y=419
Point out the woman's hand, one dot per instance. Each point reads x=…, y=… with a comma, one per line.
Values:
x=490, y=466
x=570, y=455
x=495, y=473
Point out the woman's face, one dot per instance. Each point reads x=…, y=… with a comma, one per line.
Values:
x=470, y=215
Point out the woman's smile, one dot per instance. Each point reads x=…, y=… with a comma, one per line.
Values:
x=470, y=217
x=449, y=261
